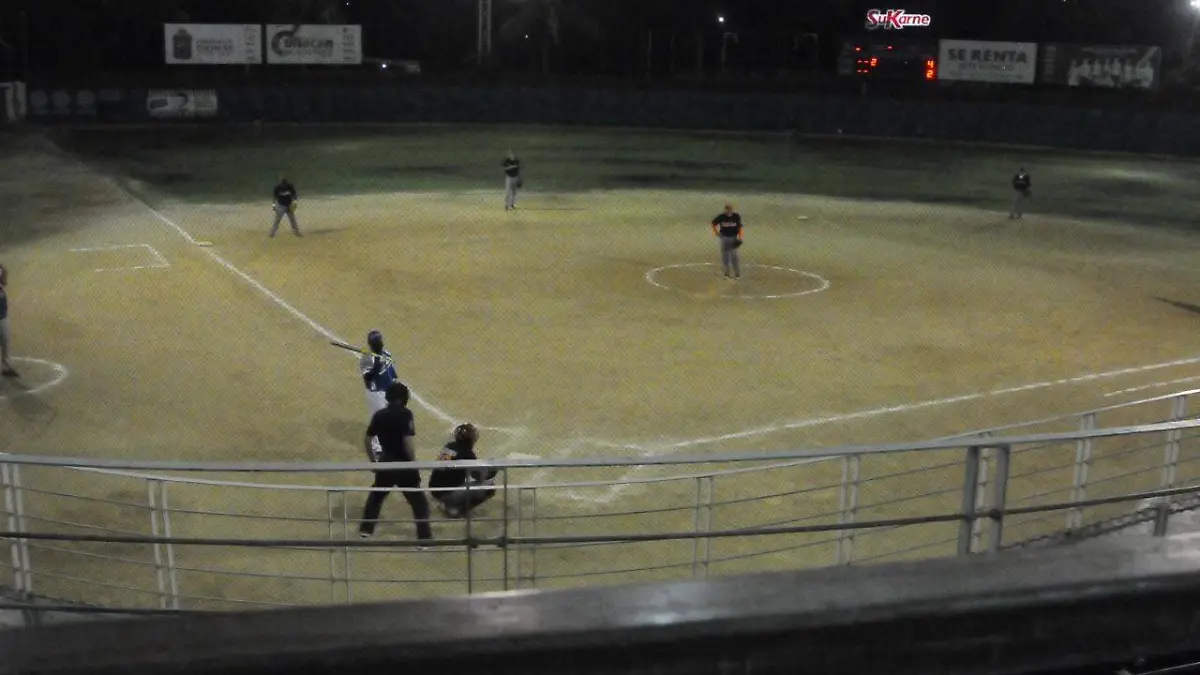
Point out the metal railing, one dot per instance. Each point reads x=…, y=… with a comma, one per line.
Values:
x=186, y=536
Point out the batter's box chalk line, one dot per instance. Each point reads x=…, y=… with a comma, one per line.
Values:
x=159, y=260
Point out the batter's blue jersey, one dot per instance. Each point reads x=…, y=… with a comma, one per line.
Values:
x=385, y=378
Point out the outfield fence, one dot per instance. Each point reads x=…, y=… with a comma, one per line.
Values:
x=188, y=536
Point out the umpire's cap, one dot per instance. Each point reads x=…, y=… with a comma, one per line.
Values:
x=397, y=393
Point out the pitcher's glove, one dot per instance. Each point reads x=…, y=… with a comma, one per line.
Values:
x=294, y=205
x=737, y=244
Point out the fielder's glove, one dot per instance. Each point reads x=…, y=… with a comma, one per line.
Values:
x=737, y=244
x=294, y=206
x=520, y=182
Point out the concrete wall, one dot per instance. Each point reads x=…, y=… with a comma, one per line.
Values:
x=1131, y=128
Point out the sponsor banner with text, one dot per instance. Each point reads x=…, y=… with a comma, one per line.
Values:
x=181, y=103
x=213, y=43
x=896, y=19
x=314, y=44
x=1104, y=66
x=976, y=61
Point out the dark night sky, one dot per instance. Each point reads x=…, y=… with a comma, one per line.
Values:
x=74, y=34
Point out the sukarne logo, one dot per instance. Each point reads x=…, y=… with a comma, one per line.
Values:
x=895, y=19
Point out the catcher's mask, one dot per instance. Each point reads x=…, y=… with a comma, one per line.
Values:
x=466, y=433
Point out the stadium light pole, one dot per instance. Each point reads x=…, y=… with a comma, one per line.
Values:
x=1191, y=41
x=725, y=35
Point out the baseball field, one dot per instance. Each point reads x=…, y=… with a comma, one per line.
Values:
x=885, y=296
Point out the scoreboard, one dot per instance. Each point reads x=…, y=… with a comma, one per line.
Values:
x=888, y=60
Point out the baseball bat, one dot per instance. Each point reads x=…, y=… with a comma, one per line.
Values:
x=359, y=350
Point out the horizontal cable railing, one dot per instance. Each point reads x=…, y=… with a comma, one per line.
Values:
x=289, y=536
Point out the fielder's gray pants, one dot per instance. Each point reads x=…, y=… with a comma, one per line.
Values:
x=280, y=212
x=729, y=257
x=5, y=341
x=1018, y=205
x=510, y=191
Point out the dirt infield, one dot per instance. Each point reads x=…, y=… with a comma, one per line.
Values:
x=591, y=321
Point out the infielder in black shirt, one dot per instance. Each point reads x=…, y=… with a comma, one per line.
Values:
x=394, y=427
x=727, y=228
x=286, y=200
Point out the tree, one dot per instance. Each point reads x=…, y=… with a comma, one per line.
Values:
x=547, y=21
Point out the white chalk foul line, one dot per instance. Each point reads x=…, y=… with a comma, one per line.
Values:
x=285, y=305
x=1151, y=386
x=822, y=283
x=619, y=487
x=60, y=376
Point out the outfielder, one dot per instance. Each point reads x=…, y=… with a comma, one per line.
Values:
x=1021, y=184
x=512, y=180
x=286, y=201
x=378, y=371
x=727, y=228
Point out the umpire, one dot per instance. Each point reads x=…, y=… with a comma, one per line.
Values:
x=286, y=200
x=727, y=228
x=394, y=427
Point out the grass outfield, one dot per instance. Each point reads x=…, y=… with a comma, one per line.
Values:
x=232, y=164
x=886, y=298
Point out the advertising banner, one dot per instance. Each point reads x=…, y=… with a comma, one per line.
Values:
x=213, y=43
x=314, y=45
x=1107, y=66
x=974, y=61
x=896, y=19
x=181, y=103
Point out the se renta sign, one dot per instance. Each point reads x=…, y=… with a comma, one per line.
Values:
x=976, y=61
x=896, y=19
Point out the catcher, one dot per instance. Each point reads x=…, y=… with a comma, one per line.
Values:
x=727, y=228
x=286, y=200
x=449, y=487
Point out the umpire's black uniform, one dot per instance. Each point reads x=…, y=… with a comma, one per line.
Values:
x=394, y=427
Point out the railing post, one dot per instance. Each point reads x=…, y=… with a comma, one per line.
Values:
x=1003, y=455
x=470, y=543
x=981, y=493
x=1162, y=517
x=526, y=527
x=14, y=545
x=504, y=525
x=172, y=575
x=848, y=507
x=159, y=569
x=22, y=544
x=966, y=526
x=1171, y=451
x=702, y=522
x=332, y=551
x=1083, y=466
x=346, y=549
